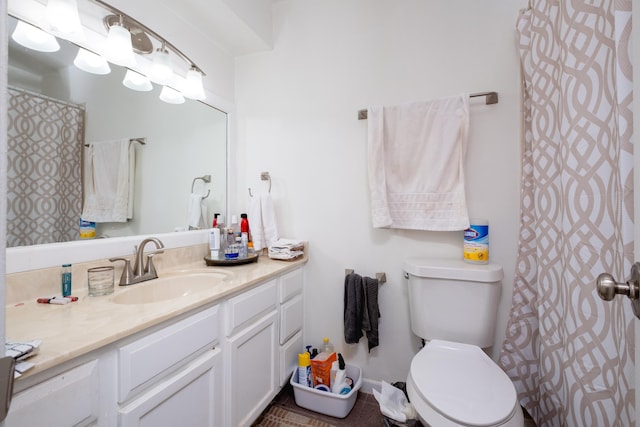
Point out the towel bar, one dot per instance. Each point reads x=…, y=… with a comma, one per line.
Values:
x=381, y=277
x=141, y=141
x=491, y=98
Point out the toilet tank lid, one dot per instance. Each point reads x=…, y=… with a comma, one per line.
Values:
x=454, y=269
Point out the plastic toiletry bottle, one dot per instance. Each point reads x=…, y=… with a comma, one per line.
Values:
x=214, y=243
x=339, y=385
x=304, y=369
x=215, y=220
x=327, y=347
x=234, y=226
x=244, y=245
x=244, y=226
x=66, y=280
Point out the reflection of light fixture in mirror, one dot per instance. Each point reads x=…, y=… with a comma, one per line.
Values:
x=161, y=71
x=193, y=85
x=34, y=38
x=171, y=96
x=91, y=63
x=63, y=16
x=118, y=49
x=136, y=81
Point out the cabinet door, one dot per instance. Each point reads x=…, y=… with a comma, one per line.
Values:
x=251, y=370
x=291, y=318
x=190, y=397
x=69, y=399
x=289, y=357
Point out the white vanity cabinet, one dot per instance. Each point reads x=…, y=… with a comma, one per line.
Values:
x=74, y=397
x=173, y=376
x=251, y=353
x=263, y=339
x=217, y=365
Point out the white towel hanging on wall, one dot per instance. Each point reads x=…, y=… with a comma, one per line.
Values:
x=262, y=221
x=416, y=154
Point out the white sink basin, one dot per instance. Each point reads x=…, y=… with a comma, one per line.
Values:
x=170, y=287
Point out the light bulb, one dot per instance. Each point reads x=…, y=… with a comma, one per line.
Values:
x=119, y=49
x=171, y=96
x=161, y=71
x=136, y=81
x=34, y=38
x=193, y=88
x=63, y=17
x=91, y=62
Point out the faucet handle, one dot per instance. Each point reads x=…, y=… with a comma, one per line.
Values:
x=150, y=268
x=127, y=272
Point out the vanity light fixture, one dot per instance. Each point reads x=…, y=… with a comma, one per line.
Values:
x=91, y=62
x=193, y=88
x=136, y=81
x=171, y=96
x=34, y=38
x=161, y=70
x=119, y=49
x=63, y=17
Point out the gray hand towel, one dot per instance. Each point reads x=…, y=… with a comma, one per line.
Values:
x=353, y=308
x=371, y=312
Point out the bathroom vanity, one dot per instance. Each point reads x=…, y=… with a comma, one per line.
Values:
x=206, y=346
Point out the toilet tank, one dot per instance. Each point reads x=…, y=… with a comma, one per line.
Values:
x=453, y=300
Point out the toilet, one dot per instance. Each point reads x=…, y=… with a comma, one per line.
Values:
x=452, y=381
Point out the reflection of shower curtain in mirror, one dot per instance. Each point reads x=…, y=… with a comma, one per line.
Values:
x=44, y=185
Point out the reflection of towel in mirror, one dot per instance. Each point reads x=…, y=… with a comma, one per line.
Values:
x=196, y=211
x=109, y=183
x=262, y=221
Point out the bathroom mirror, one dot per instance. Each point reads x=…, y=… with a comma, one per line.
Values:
x=181, y=144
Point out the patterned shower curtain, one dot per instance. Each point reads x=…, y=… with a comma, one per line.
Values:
x=44, y=169
x=570, y=354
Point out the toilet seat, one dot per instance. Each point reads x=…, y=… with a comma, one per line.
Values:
x=463, y=384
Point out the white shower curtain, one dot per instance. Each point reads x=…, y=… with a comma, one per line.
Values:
x=570, y=354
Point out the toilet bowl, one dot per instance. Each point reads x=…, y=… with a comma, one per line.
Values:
x=452, y=381
x=456, y=384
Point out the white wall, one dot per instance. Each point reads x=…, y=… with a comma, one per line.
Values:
x=297, y=118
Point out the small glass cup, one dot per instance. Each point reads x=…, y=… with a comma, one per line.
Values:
x=100, y=280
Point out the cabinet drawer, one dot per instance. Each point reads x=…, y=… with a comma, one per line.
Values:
x=289, y=357
x=187, y=398
x=290, y=318
x=291, y=284
x=69, y=399
x=250, y=305
x=143, y=360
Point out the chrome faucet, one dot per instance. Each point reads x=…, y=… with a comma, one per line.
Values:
x=140, y=272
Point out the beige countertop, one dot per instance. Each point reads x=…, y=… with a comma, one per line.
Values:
x=72, y=330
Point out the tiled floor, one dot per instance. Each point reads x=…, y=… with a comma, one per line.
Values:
x=365, y=412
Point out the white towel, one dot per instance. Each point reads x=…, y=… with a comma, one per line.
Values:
x=286, y=249
x=263, y=222
x=196, y=211
x=109, y=183
x=415, y=157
